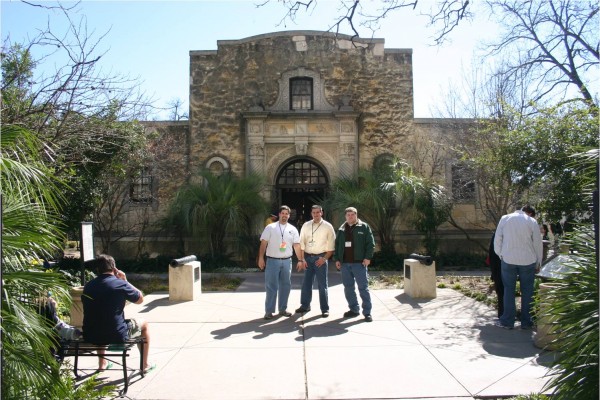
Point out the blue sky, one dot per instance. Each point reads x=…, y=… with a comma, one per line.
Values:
x=151, y=40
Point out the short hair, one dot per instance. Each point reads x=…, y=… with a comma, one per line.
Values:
x=281, y=208
x=317, y=207
x=351, y=209
x=102, y=263
x=528, y=209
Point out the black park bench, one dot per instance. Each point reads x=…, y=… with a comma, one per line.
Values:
x=80, y=348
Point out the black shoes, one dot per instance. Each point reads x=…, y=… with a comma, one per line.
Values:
x=285, y=313
x=269, y=315
x=368, y=318
x=351, y=314
x=325, y=314
x=302, y=310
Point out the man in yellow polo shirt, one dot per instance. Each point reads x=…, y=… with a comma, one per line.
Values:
x=317, y=241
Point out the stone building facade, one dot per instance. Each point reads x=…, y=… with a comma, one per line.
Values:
x=303, y=108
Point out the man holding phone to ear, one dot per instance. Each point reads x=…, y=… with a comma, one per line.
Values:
x=103, y=301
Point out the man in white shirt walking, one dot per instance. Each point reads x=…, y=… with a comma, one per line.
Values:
x=317, y=241
x=518, y=243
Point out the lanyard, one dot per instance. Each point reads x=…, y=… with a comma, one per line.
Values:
x=312, y=235
x=281, y=231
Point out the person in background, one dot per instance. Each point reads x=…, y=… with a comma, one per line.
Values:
x=354, y=247
x=103, y=301
x=317, y=241
x=518, y=243
x=270, y=219
x=278, y=242
x=493, y=262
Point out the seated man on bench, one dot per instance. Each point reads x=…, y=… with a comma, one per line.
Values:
x=103, y=309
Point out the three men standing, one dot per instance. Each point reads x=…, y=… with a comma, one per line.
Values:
x=278, y=241
x=518, y=243
x=317, y=241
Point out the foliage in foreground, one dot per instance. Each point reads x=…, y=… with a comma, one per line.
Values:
x=573, y=309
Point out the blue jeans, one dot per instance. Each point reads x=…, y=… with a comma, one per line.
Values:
x=526, y=275
x=307, y=283
x=278, y=275
x=356, y=272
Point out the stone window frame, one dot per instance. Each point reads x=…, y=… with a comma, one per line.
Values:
x=142, y=187
x=305, y=81
x=462, y=182
x=224, y=164
x=319, y=102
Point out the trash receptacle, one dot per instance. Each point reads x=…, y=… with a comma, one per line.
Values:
x=419, y=277
x=552, y=272
x=185, y=283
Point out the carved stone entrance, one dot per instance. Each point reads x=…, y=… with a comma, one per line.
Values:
x=300, y=184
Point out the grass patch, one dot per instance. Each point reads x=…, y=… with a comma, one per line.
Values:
x=215, y=283
x=221, y=283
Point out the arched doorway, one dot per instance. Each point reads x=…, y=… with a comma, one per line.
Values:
x=300, y=184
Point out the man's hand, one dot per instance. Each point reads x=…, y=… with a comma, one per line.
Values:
x=301, y=265
x=120, y=274
x=261, y=263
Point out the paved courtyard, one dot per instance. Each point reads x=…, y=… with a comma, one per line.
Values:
x=220, y=347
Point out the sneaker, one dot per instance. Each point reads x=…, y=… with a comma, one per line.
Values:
x=368, y=318
x=325, y=314
x=526, y=327
x=302, y=310
x=285, y=313
x=269, y=315
x=351, y=314
x=501, y=325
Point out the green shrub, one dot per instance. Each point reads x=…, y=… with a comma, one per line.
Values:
x=573, y=309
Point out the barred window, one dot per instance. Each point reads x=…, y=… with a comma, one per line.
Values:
x=463, y=183
x=301, y=174
x=141, y=186
x=301, y=93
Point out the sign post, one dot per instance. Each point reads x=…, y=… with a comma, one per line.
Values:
x=86, y=246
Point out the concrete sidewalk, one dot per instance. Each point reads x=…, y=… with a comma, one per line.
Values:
x=220, y=347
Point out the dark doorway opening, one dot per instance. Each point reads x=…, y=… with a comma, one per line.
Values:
x=300, y=184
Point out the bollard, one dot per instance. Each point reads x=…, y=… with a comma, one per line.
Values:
x=419, y=277
x=184, y=279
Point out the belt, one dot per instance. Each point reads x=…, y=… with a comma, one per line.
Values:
x=280, y=258
x=314, y=255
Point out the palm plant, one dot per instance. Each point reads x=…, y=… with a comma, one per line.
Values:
x=573, y=306
x=216, y=207
x=373, y=197
x=30, y=205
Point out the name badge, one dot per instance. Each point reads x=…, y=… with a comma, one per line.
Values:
x=349, y=244
x=282, y=246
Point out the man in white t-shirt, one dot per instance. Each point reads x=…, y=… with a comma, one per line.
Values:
x=278, y=242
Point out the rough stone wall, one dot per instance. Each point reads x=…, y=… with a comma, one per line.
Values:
x=243, y=73
x=169, y=172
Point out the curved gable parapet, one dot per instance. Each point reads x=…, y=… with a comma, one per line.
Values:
x=332, y=35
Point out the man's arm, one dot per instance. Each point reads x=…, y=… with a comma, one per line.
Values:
x=121, y=275
x=261, y=254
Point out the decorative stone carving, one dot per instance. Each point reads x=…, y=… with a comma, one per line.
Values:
x=257, y=150
x=301, y=149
